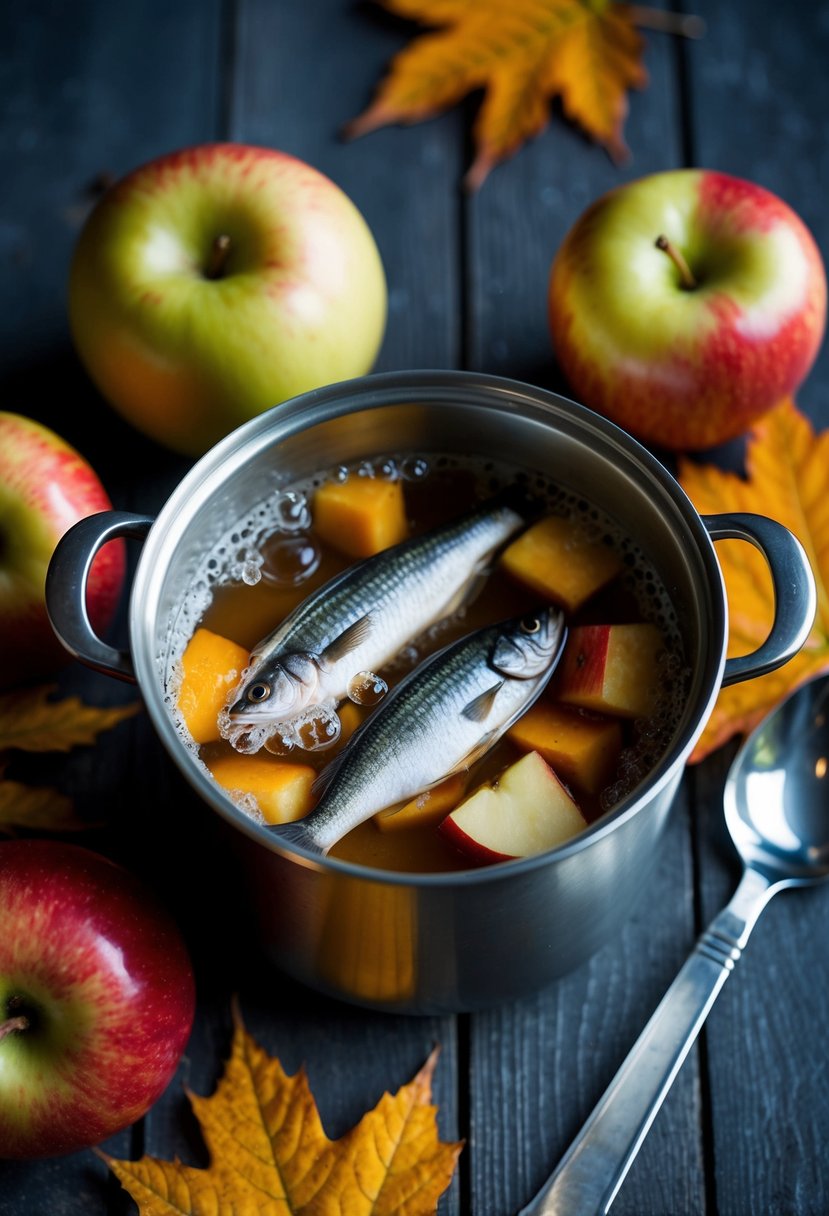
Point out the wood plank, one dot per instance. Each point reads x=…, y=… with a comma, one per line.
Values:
x=547, y=1061
x=760, y=96
x=84, y=95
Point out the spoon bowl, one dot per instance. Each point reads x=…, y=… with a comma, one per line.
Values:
x=776, y=801
x=776, y=795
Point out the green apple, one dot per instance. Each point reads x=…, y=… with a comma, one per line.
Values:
x=685, y=305
x=45, y=488
x=215, y=282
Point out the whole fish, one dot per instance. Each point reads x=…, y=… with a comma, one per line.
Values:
x=443, y=717
x=363, y=617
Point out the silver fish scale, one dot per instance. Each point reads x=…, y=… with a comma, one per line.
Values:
x=418, y=728
x=414, y=580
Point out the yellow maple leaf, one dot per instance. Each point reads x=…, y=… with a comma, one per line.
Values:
x=38, y=807
x=787, y=469
x=31, y=722
x=270, y=1155
x=523, y=53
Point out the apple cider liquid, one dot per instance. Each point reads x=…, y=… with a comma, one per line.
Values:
x=271, y=560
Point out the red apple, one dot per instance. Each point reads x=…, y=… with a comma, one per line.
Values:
x=686, y=304
x=45, y=487
x=96, y=998
x=612, y=669
x=528, y=811
x=213, y=283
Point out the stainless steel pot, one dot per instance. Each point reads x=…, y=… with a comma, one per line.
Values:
x=440, y=942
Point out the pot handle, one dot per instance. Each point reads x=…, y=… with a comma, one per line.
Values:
x=795, y=595
x=66, y=581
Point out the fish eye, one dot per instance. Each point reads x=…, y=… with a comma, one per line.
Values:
x=530, y=624
x=259, y=692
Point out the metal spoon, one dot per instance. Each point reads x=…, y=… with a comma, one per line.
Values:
x=777, y=812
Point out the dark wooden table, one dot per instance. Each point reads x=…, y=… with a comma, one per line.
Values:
x=94, y=88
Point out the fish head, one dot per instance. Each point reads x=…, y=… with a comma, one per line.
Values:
x=529, y=646
x=275, y=691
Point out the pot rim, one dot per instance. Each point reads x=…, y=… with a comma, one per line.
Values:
x=370, y=392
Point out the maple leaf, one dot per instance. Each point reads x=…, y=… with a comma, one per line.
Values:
x=38, y=807
x=30, y=722
x=787, y=469
x=269, y=1153
x=523, y=53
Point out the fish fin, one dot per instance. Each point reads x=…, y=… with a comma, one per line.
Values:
x=470, y=591
x=477, y=710
x=348, y=640
x=324, y=778
x=472, y=757
x=296, y=834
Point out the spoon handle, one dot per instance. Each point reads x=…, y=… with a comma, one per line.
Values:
x=589, y=1175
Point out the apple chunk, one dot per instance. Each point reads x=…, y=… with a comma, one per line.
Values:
x=583, y=750
x=613, y=669
x=556, y=559
x=528, y=811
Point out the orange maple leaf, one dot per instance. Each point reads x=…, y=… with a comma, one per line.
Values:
x=523, y=53
x=787, y=468
x=270, y=1155
x=31, y=721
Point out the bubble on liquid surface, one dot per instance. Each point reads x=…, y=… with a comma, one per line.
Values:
x=366, y=688
x=289, y=560
x=386, y=469
x=246, y=566
x=292, y=512
x=317, y=730
x=279, y=744
x=414, y=468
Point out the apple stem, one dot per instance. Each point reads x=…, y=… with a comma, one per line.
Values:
x=687, y=280
x=218, y=257
x=20, y=1022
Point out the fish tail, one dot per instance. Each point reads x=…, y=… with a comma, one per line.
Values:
x=296, y=835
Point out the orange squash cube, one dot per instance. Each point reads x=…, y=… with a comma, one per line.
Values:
x=361, y=516
x=613, y=669
x=428, y=808
x=351, y=716
x=282, y=791
x=211, y=667
x=559, y=562
x=583, y=751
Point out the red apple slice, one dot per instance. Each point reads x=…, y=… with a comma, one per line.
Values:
x=528, y=811
x=613, y=669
